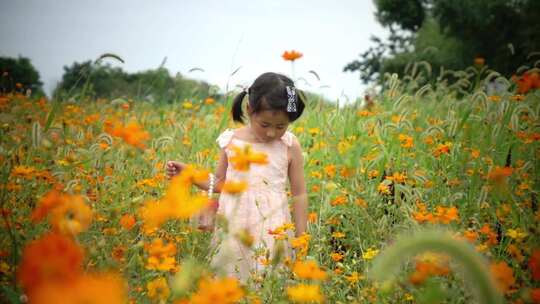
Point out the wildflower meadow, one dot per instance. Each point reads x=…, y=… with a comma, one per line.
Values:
x=425, y=192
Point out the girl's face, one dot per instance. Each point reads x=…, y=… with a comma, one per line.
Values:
x=269, y=125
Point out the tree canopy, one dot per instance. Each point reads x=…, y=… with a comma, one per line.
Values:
x=97, y=80
x=451, y=34
x=19, y=74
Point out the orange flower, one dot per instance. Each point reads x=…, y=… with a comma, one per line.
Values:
x=442, y=149
x=535, y=295
x=225, y=291
x=479, y=61
x=178, y=202
x=69, y=213
x=498, y=175
x=160, y=256
x=397, y=178
x=127, y=221
x=406, y=141
x=336, y=256
x=330, y=170
x=470, y=236
x=492, y=236
x=48, y=202
x=132, y=134
x=103, y=288
x=234, y=187
x=244, y=157
x=291, y=55
x=301, y=243
x=534, y=265
x=429, y=264
x=118, y=253
x=71, y=217
x=52, y=257
x=309, y=270
x=527, y=82
x=312, y=217
x=503, y=275
x=340, y=200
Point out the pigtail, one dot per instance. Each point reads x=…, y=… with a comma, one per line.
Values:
x=236, y=111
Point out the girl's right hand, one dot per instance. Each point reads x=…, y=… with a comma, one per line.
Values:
x=174, y=168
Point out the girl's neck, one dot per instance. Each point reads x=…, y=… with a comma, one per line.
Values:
x=252, y=135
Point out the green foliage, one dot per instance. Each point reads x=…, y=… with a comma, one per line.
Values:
x=20, y=70
x=472, y=262
x=96, y=80
x=409, y=14
x=503, y=32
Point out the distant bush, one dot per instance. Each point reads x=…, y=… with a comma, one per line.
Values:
x=18, y=74
x=96, y=80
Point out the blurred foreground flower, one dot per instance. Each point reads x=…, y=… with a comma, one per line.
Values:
x=51, y=272
x=309, y=270
x=223, y=291
x=132, y=133
x=69, y=214
x=304, y=293
x=244, y=157
x=527, y=81
x=178, y=202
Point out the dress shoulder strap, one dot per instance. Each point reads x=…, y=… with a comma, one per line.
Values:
x=225, y=138
x=288, y=138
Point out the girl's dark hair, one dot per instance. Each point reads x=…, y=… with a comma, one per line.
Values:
x=269, y=92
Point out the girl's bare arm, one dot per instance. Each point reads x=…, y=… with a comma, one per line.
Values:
x=298, y=188
x=221, y=171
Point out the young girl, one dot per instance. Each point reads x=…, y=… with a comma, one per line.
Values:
x=273, y=103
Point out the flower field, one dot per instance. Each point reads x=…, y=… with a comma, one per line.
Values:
x=444, y=172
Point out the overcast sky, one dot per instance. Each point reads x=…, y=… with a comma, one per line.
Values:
x=217, y=36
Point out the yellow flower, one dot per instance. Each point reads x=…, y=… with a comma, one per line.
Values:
x=314, y=131
x=304, y=293
x=370, y=254
x=516, y=234
x=354, y=277
x=338, y=235
x=245, y=237
x=187, y=105
x=383, y=188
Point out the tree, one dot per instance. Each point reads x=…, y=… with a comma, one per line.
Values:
x=19, y=74
x=504, y=32
x=96, y=80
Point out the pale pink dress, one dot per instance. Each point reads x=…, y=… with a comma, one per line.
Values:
x=262, y=207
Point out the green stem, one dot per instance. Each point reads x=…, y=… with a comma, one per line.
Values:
x=472, y=263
